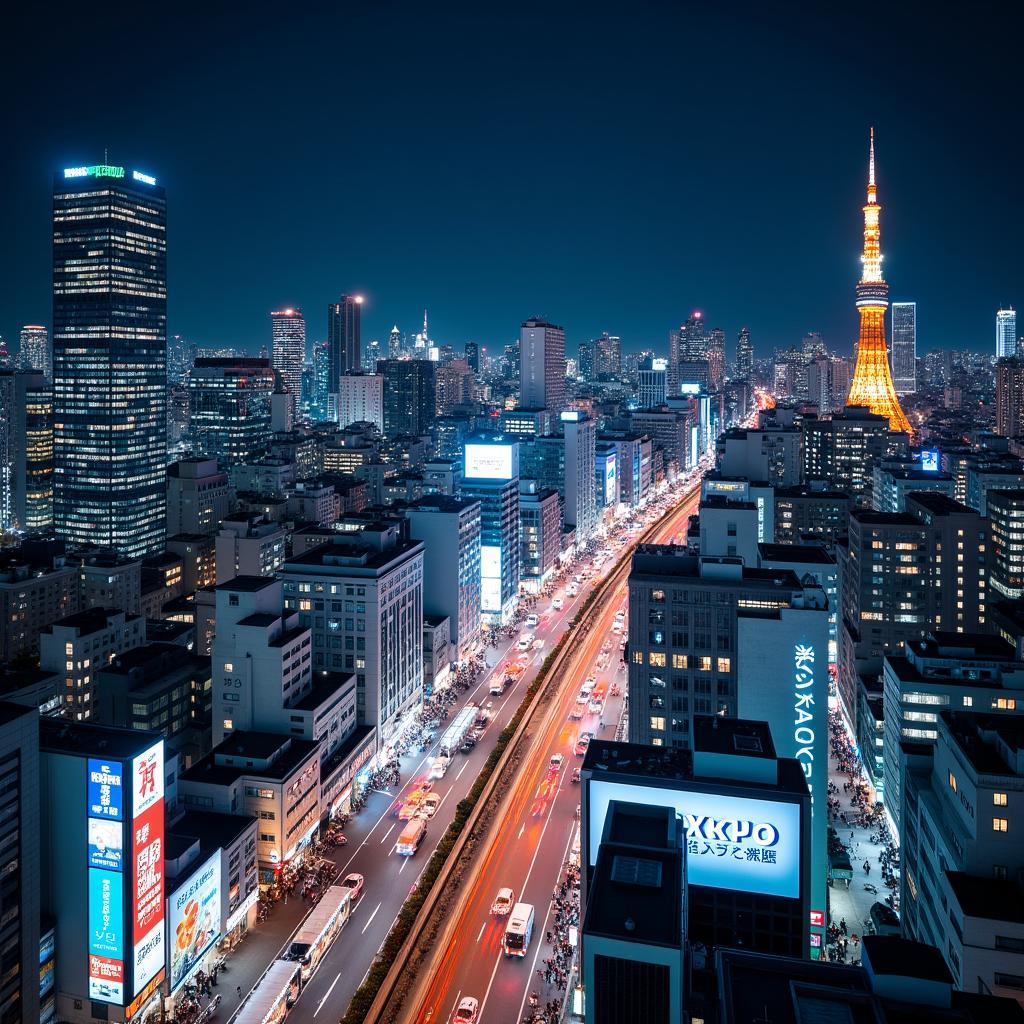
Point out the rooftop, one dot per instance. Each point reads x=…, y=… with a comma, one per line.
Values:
x=939, y=504
x=989, y=898
x=251, y=747
x=10, y=712
x=59, y=736
x=806, y=554
x=92, y=620
x=212, y=828
x=247, y=584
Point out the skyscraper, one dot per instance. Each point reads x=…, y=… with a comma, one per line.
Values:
x=288, y=336
x=904, y=347
x=541, y=366
x=744, y=355
x=410, y=396
x=344, y=337
x=321, y=376
x=1010, y=397
x=26, y=451
x=472, y=352
x=35, y=350
x=109, y=358
x=394, y=343
x=716, y=358
x=587, y=362
x=872, y=381
x=685, y=344
x=1006, y=333
x=229, y=403
x=608, y=356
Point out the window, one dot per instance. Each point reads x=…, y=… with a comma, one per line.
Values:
x=638, y=657
x=952, y=782
x=1000, y=825
x=704, y=663
x=1004, y=704
x=228, y=667
x=657, y=595
x=968, y=702
x=656, y=659
x=1014, y=981
x=228, y=723
x=658, y=723
x=999, y=799
x=724, y=665
x=679, y=661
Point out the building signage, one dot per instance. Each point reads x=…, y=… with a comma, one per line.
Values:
x=490, y=462
x=106, y=914
x=930, y=460
x=106, y=799
x=739, y=843
x=106, y=844
x=147, y=853
x=194, y=920
x=146, y=179
x=106, y=979
x=95, y=171
x=246, y=905
x=803, y=711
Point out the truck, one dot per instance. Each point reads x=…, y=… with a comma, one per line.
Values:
x=453, y=736
x=497, y=687
x=411, y=837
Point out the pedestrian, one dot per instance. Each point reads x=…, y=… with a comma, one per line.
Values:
x=238, y=990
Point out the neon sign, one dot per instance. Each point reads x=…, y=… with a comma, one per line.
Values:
x=803, y=708
x=146, y=179
x=96, y=171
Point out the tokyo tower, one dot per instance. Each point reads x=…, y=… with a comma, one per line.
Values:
x=872, y=380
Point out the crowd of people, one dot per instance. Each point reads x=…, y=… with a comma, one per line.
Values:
x=557, y=967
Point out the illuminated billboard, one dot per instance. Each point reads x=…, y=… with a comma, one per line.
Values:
x=147, y=845
x=106, y=792
x=732, y=842
x=688, y=387
x=106, y=844
x=490, y=578
x=930, y=460
x=194, y=923
x=491, y=461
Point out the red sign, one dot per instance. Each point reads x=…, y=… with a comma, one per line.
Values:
x=817, y=919
x=148, y=854
x=104, y=968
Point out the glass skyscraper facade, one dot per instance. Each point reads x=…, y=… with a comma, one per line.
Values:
x=903, y=351
x=1006, y=333
x=229, y=409
x=288, y=334
x=344, y=338
x=109, y=358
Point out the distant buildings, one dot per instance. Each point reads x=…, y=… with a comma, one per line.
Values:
x=344, y=338
x=1006, y=333
x=1010, y=397
x=230, y=408
x=744, y=355
x=607, y=356
x=26, y=452
x=35, y=350
x=288, y=348
x=904, y=347
x=361, y=399
x=410, y=398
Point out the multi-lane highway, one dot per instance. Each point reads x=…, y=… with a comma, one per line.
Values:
x=531, y=839
x=372, y=834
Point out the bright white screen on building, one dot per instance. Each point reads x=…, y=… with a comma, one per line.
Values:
x=731, y=842
x=489, y=462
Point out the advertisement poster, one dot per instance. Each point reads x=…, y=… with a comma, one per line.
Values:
x=148, y=854
x=106, y=793
x=195, y=912
x=106, y=979
x=147, y=779
x=149, y=957
x=106, y=844
x=489, y=462
x=147, y=841
x=106, y=914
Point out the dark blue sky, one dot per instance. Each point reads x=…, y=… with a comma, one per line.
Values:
x=610, y=168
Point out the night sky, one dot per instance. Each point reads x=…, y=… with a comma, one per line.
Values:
x=609, y=168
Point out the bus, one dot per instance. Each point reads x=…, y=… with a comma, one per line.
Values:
x=519, y=930
x=274, y=995
x=411, y=837
x=320, y=929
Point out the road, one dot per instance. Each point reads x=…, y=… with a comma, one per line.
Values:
x=373, y=832
x=529, y=845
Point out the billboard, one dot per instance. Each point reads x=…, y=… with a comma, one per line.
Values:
x=491, y=461
x=732, y=842
x=106, y=844
x=106, y=914
x=106, y=792
x=194, y=919
x=147, y=853
x=106, y=979
x=930, y=460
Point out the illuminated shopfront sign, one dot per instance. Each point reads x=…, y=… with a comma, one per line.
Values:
x=804, y=713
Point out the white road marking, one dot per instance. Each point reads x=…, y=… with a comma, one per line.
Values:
x=326, y=994
x=522, y=829
x=461, y=770
x=389, y=831
x=481, y=935
x=370, y=918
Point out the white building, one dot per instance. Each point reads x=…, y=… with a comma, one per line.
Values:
x=541, y=366
x=580, y=507
x=198, y=497
x=249, y=547
x=1006, y=333
x=361, y=399
x=903, y=350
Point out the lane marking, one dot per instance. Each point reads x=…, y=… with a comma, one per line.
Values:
x=320, y=1006
x=461, y=770
x=370, y=918
x=522, y=829
x=481, y=934
x=389, y=831
x=405, y=860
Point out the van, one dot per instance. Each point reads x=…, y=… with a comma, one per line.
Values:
x=532, y=621
x=519, y=930
x=497, y=687
x=411, y=837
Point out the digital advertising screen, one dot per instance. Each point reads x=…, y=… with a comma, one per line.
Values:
x=195, y=912
x=106, y=792
x=106, y=844
x=106, y=914
x=147, y=853
x=731, y=842
x=489, y=461
x=930, y=460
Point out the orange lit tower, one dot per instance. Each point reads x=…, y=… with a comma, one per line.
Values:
x=872, y=380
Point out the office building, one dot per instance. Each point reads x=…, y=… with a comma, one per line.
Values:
x=727, y=526
x=970, y=672
x=985, y=476
x=960, y=851
x=102, y=800
x=36, y=588
x=634, y=455
x=198, y=497
x=652, y=389
x=491, y=477
x=579, y=509
x=1006, y=513
x=344, y=339
x=540, y=534
x=410, y=397
x=760, y=901
x=586, y=364
x=772, y=455
x=229, y=408
x=744, y=355
x=249, y=547
x=361, y=596
x=542, y=366
x=1010, y=397
x=525, y=424
x=109, y=358
x=454, y=386
x=26, y=452
x=1006, y=333
x=472, y=353
x=288, y=349
x=804, y=512
x=449, y=528
x=361, y=399
x=689, y=342
x=893, y=480
x=607, y=356
x=606, y=476
x=904, y=347
x=321, y=378
x=35, y=350
x=24, y=985
x=671, y=430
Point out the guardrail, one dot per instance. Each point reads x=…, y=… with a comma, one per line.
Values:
x=390, y=976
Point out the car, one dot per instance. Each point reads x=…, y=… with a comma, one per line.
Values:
x=354, y=883
x=621, y=613
x=596, y=706
x=556, y=604
x=532, y=621
x=575, y=775
x=582, y=697
x=556, y=762
x=524, y=643
x=588, y=685
x=438, y=767
x=576, y=712
x=430, y=805
x=617, y=626
x=503, y=902
x=468, y=744
x=467, y=1012
x=582, y=743
x=571, y=591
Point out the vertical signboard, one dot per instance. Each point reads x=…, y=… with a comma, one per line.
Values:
x=104, y=857
x=147, y=859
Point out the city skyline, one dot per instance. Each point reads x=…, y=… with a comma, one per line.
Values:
x=406, y=237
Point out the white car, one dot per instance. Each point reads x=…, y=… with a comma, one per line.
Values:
x=525, y=642
x=438, y=767
x=503, y=902
x=596, y=706
x=532, y=621
x=467, y=1012
x=617, y=626
x=354, y=884
x=620, y=614
x=556, y=762
x=556, y=604
x=429, y=807
x=589, y=685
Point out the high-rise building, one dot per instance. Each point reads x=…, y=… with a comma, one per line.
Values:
x=686, y=343
x=607, y=356
x=321, y=377
x=580, y=500
x=872, y=380
x=229, y=408
x=288, y=344
x=35, y=350
x=716, y=358
x=26, y=452
x=361, y=399
x=540, y=533
x=1006, y=511
x=744, y=355
x=198, y=497
x=542, y=366
x=372, y=356
x=1010, y=397
x=181, y=354
x=394, y=343
x=1006, y=333
x=653, y=386
x=586, y=364
x=472, y=353
x=109, y=358
x=454, y=383
x=410, y=396
x=344, y=338
x=904, y=347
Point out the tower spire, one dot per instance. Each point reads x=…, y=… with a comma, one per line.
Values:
x=872, y=192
